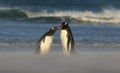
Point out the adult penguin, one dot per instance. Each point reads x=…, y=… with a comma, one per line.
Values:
x=45, y=42
x=67, y=39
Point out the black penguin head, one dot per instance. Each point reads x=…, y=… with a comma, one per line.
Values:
x=64, y=25
x=52, y=30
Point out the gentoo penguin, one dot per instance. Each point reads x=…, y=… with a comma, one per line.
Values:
x=45, y=42
x=67, y=39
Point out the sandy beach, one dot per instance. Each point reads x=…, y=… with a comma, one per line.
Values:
x=85, y=61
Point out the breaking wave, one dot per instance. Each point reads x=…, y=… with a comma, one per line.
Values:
x=106, y=16
x=12, y=13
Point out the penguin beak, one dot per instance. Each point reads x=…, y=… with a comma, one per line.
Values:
x=57, y=27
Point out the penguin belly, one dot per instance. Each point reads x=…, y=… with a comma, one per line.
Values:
x=64, y=39
x=46, y=44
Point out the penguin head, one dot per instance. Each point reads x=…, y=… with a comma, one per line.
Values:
x=64, y=25
x=52, y=30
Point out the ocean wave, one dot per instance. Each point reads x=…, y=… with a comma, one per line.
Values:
x=111, y=16
x=106, y=16
x=12, y=13
x=53, y=19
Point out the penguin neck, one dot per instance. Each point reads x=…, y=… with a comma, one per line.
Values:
x=65, y=28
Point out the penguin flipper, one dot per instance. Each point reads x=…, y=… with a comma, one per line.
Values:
x=70, y=42
x=42, y=38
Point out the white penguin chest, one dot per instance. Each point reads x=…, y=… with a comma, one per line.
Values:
x=63, y=37
x=47, y=43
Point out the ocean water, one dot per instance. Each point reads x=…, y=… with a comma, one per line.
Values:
x=93, y=22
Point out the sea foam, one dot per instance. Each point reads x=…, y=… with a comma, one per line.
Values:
x=105, y=16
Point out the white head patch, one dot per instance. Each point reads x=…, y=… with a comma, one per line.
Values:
x=65, y=23
x=52, y=27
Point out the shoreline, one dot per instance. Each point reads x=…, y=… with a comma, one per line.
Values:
x=58, y=48
x=33, y=44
